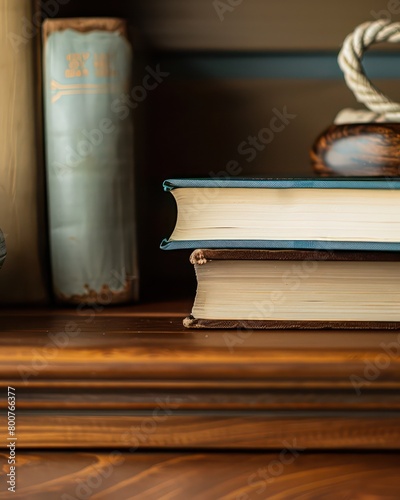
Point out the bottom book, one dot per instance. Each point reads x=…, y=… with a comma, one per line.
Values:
x=283, y=289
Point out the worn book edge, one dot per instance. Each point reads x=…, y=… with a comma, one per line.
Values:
x=201, y=256
x=192, y=322
x=84, y=25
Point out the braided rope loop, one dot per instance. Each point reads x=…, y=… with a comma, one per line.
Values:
x=349, y=61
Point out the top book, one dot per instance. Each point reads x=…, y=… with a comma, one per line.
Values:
x=318, y=214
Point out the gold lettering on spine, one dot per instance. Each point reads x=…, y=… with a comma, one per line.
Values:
x=59, y=90
x=76, y=65
x=103, y=65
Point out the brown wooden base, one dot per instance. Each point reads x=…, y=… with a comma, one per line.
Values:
x=173, y=401
x=199, y=476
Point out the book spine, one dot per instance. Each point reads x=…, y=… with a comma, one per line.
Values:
x=87, y=67
x=21, y=175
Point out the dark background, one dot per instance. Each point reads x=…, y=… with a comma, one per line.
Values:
x=225, y=79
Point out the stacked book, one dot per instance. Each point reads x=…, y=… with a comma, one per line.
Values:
x=291, y=253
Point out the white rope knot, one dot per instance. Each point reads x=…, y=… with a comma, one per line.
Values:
x=349, y=61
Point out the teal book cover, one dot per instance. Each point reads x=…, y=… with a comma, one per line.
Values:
x=200, y=186
x=90, y=173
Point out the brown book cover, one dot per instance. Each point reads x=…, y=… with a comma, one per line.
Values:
x=203, y=256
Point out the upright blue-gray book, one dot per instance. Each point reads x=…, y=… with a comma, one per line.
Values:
x=90, y=175
x=318, y=214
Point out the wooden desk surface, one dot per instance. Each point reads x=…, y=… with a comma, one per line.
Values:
x=205, y=476
x=89, y=379
x=125, y=403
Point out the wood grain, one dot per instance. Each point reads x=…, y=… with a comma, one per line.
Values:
x=56, y=345
x=163, y=476
x=199, y=396
x=21, y=173
x=86, y=378
x=368, y=149
x=168, y=427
